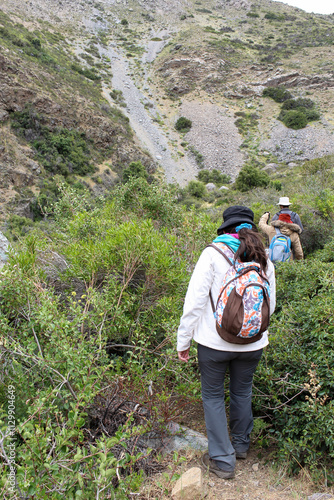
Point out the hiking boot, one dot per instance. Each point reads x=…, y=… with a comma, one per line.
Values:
x=241, y=454
x=210, y=464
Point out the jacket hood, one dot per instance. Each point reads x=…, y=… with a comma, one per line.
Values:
x=286, y=226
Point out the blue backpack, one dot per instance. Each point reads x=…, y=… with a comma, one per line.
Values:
x=280, y=247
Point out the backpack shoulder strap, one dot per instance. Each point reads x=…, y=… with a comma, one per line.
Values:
x=227, y=259
x=221, y=252
x=277, y=230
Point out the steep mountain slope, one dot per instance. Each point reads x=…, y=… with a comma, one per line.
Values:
x=150, y=62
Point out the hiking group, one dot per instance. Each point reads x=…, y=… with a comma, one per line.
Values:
x=283, y=233
x=228, y=304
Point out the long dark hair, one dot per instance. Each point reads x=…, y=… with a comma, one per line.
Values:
x=251, y=247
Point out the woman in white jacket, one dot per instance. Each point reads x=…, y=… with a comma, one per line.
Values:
x=215, y=355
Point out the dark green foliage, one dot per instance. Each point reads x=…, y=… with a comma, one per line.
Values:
x=250, y=177
x=276, y=184
x=279, y=94
x=148, y=201
x=117, y=96
x=252, y=14
x=87, y=72
x=274, y=16
x=210, y=29
x=297, y=104
x=198, y=156
x=298, y=116
x=295, y=113
x=213, y=176
x=18, y=226
x=311, y=115
x=183, y=124
x=196, y=189
x=60, y=150
x=125, y=22
x=293, y=119
x=245, y=121
x=298, y=365
x=135, y=169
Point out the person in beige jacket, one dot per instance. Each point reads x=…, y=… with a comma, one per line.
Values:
x=287, y=227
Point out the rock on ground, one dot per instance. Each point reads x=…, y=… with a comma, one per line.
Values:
x=189, y=486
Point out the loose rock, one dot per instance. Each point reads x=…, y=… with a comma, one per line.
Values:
x=189, y=486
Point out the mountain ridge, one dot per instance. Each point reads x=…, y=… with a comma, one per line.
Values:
x=216, y=57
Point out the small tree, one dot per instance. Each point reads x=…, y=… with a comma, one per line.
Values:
x=294, y=119
x=279, y=94
x=250, y=177
x=135, y=169
x=183, y=124
x=196, y=188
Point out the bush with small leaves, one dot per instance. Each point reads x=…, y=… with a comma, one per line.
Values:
x=279, y=94
x=293, y=119
x=214, y=176
x=297, y=104
x=135, y=169
x=183, y=124
x=250, y=177
x=196, y=189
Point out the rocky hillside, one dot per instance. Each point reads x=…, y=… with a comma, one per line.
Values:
x=87, y=87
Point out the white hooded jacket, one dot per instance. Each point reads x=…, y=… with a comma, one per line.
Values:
x=198, y=321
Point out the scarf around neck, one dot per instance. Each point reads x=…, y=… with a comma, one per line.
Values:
x=229, y=240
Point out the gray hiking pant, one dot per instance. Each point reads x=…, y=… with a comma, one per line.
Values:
x=213, y=365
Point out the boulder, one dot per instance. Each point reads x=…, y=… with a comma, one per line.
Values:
x=270, y=167
x=189, y=486
x=210, y=186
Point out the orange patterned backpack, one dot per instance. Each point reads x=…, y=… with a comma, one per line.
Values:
x=242, y=308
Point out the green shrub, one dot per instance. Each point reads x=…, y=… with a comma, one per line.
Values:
x=279, y=94
x=198, y=156
x=276, y=184
x=60, y=151
x=214, y=176
x=18, y=226
x=311, y=115
x=183, y=124
x=88, y=73
x=135, y=169
x=196, y=189
x=297, y=367
x=125, y=22
x=246, y=121
x=250, y=177
x=293, y=119
x=273, y=16
x=297, y=104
